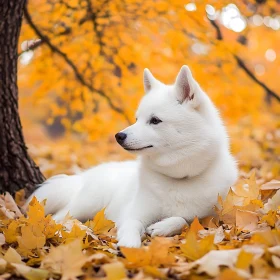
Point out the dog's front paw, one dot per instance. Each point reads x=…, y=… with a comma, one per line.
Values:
x=167, y=227
x=158, y=229
x=130, y=239
x=129, y=234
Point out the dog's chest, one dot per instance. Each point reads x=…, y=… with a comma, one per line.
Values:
x=183, y=198
x=175, y=201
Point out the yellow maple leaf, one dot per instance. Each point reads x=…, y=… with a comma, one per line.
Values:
x=244, y=259
x=49, y=227
x=241, y=197
x=249, y=191
x=115, y=271
x=231, y=201
x=36, y=217
x=227, y=208
x=100, y=224
x=159, y=250
x=31, y=238
x=271, y=218
x=66, y=260
x=196, y=226
x=156, y=254
x=11, y=232
x=194, y=249
x=75, y=233
x=136, y=257
x=36, y=211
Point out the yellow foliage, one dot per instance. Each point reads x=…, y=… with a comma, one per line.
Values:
x=100, y=224
x=196, y=226
x=75, y=233
x=31, y=238
x=248, y=247
x=156, y=254
x=194, y=249
x=110, y=51
x=70, y=115
x=115, y=271
x=66, y=260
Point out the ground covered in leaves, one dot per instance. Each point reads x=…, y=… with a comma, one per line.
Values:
x=241, y=242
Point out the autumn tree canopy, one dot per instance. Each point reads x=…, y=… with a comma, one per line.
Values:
x=81, y=63
x=80, y=66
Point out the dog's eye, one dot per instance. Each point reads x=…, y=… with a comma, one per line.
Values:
x=155, y=120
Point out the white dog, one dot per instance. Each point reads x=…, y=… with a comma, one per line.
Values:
x=184, y=164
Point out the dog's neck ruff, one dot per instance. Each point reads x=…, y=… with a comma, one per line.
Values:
x=184, y=168
x=179, y=179
x=179, y=171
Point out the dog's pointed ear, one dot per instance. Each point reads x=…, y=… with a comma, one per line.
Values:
x=185, y=85
x=149, y=80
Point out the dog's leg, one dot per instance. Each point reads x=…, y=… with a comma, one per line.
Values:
x=82, y=208
x=141, y=212
x=167, y=227
x=60, y=215
x=130, y=233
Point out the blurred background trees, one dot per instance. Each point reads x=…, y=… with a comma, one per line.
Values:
x=81, y=63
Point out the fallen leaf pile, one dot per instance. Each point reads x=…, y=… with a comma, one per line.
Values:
x=241, y=242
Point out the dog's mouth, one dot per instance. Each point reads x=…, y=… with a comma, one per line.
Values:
x=138, y=149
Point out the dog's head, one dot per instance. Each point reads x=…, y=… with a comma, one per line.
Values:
x=172, y=121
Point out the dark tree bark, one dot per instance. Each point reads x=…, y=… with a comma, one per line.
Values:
x=17, y=169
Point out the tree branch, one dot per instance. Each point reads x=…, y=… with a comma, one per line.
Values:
x=243, y=66
x=219, y=35
x=45, y=39
x=31, y=46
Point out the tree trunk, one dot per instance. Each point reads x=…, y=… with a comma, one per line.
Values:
x=17, y=169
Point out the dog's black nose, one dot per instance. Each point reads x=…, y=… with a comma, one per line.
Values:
x=120, y=137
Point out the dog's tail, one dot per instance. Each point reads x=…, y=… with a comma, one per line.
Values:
x=58, y=192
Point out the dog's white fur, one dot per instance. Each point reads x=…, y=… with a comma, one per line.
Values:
x=173, y=181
